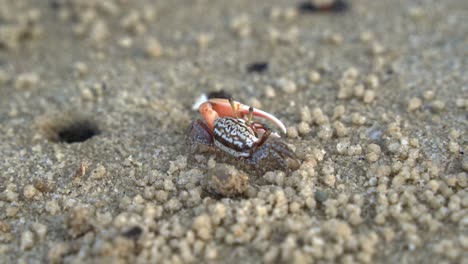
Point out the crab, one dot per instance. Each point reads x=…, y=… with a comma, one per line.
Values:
x=228, y=126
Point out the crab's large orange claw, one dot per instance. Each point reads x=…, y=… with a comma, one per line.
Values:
x=223, y=108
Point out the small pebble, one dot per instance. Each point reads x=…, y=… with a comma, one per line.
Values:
x=454, y=133
x=133, y=22
x=314, y=77
x=465, y=167
x=27, y=240
x=329, y=180
x=325, y=132
x=303, y=129
x=461, y=103
x=429, y=95
x=414, y=104
x=286, y=85
x=240, y=25
x=373, y=152
x=366, y=36
x=416, y=12
x=202, y=226
x=204, y=39
x=292, y=132
x=269, y=92
x=153, y=49
x=52, y=207
x=369, y=96
x=345, y=91
x=12, y=211
x=87, y=94
x=40, y=230
x=358, y=119
x=30, y=191
x=339, y=111
x=80, y=69
x=98, y=173
x=125, y=42
x=354, y=150
x=335, y=38
x=27, y=80
x=306, y=115
x=57, y=251
x=372, y=81
x=319, y=117
x=351, y=73
x=226, y=180
x=321, y=196
x=340, y=129
x=290, y=13
x=454, y=147
x=211, y=252
x=377, y=48
x=342, y=147
x=359, y=90
x=5, y=227
x=437, y=106
x=99, y=32
x=9, y=195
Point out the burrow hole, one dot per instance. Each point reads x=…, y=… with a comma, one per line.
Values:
x=69, y=128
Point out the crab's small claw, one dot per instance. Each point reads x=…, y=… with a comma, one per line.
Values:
x=208, y=113
x=223, y=107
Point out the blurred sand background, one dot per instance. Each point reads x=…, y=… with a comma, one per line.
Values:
x=96, y=97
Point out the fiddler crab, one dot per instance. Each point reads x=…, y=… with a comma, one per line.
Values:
x=229, y=127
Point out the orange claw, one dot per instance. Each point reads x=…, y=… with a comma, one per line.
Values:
x=216, y=107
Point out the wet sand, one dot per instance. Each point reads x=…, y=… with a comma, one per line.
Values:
x=96, y=98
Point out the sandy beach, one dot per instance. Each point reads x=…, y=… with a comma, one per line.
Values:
x=96, y=98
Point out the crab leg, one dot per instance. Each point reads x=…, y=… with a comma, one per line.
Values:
x=225, y=107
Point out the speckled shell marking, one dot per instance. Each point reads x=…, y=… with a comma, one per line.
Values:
x=234, y=136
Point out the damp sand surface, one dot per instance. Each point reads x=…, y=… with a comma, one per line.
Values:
x=96, y=98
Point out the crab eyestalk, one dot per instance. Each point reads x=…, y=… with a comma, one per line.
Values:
x=249, y=120
x=234, y=107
